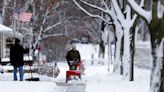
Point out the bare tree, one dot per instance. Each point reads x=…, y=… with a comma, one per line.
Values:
x=155, y=20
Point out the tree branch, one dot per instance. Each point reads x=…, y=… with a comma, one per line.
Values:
x=118, y=11
x=93, y=6
x=147, y=15
x=50, y=27
x=135, y=15
x=105, y=5
x=92, y=15
x=51, y=35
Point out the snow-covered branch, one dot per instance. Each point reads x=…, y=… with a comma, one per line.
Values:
x=105, y=5
x=135, y=15
x=51, y=35
x=118, y=11
x=145, y=14
x=91, y=15
x=50, y=27
x=93, y=6
x=134, y=18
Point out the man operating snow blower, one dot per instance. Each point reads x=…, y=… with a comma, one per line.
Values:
x=73, y=58
x=74, y=62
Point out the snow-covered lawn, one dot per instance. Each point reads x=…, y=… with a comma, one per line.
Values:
x=102, y=81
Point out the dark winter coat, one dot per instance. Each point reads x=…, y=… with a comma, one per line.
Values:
x=73, y=55
x=16, y=55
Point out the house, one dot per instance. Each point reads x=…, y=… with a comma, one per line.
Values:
x=6, y=40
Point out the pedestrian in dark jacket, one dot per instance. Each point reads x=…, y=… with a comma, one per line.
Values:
x=73, y=57
x=16, y=58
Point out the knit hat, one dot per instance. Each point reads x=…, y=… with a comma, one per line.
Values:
x=17, y=40
x=73, y=46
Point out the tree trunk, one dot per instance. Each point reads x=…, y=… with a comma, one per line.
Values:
x=132, y=51
x=157, y=54
x=162, y=76
x=122, y=53
x=101, y=52
x=118, y=63
x=126, y=54
x=3, y=11
x=157, y=34
x=102, y=44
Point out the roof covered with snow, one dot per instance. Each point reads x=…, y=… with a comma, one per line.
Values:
x=5, y=28
x=8, y=30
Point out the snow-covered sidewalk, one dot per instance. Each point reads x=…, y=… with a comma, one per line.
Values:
x=25, y=86
x=8, y=85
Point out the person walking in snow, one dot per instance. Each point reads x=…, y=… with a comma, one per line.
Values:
x=16, y=58
x=73, y=58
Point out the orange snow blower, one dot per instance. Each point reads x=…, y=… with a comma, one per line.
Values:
x=75, y=70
